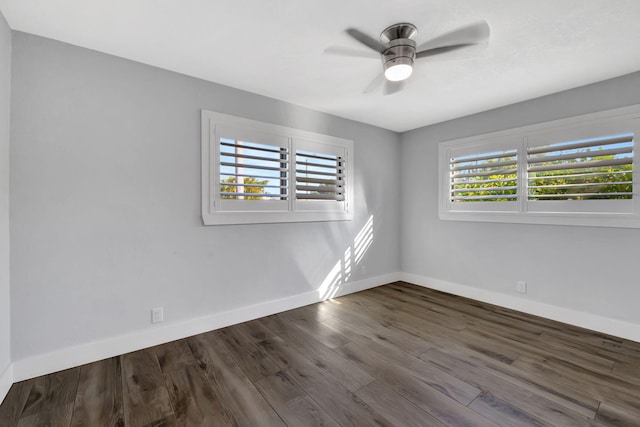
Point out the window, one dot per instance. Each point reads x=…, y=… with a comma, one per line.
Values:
x=486, y=177
x=577, y=171
x=254, y=172
x=321, y=174
x=483, y=175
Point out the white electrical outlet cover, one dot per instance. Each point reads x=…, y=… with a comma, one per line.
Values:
x=157, y=315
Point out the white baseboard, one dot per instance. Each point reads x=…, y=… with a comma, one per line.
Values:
x=6, y=381
x=69, y=357
x=618, y=328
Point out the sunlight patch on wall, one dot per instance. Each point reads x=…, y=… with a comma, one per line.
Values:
x=363, y=240
x=347, y=264
x=343, y=270
x=331, y=283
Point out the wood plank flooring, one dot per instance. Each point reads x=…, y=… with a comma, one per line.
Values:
x=396, y=355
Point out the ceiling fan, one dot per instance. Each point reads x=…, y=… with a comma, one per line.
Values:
x=398, y=50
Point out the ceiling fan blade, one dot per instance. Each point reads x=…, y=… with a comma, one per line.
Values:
x=366, y=40
x=470, y=34
x=392, y=87
x=352, y=53
x=443, y=49
x=375, y=83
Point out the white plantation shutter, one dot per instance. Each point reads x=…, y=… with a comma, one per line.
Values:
x=484, y=177
x=320, y=176
x=322, y=173
x=574, y=171
x=598, y=168
x=253, y=171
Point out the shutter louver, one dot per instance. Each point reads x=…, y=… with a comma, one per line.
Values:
x=320, y=176
x=598, y=168
x=252, y=171
x=485, y=177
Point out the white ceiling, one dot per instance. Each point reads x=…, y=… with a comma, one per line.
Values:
x=275, y=48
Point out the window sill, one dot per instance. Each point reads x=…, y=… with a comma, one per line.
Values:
x=230, y=218
x=617, y=220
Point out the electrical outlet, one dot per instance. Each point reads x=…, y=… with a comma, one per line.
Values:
x=521, y=287
x=157, y=314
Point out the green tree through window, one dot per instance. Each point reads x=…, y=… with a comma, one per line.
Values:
x=249, y=185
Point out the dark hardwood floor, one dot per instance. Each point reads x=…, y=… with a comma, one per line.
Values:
x=394, y=355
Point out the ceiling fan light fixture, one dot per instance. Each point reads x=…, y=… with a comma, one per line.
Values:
x=398, y=49
x=398, y=69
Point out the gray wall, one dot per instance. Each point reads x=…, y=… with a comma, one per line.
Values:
x=583, y=268
x=105, y=201
x=5, y=96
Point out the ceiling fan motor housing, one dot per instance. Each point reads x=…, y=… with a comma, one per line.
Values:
x=401, y=45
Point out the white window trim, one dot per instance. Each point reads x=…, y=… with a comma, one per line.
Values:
x=518, y=213
x=296, y=211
